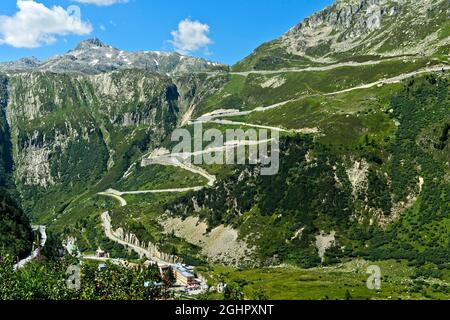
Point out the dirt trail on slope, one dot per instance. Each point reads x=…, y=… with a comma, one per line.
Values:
x=175, y=160
x=308, y=69
x=396, y=79
x=213, y=117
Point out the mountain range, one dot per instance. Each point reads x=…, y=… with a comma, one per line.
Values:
x=359, y=94
x=94, y=57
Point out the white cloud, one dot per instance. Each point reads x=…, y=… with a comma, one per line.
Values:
x=191, y=36
x=35, y=25
x=101, y=3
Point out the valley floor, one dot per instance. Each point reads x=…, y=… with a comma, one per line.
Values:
x=349, y=280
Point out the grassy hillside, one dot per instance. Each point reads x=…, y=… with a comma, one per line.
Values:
x=347, y=281
x=246, y=92
x=398, y=210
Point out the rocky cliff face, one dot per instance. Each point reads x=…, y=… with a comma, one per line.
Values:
x=193, y=89
x=133, y=98
x=372, y=27
x=42, y=111
x=6, y=163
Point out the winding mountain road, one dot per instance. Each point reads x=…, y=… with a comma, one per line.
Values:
x=114, y=194
x=106, y=223
x=236, y=123
x=319, y=68
x=322, y=68
x=216, y=116
x=179, y=160
x=396, y=79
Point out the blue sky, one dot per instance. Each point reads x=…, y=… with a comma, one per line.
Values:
x=220, y=30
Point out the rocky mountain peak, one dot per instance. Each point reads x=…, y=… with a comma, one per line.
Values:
x=31, y=61
x=91, y=44
x=371, y=27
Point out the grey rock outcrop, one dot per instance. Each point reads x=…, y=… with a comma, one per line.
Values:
x=383, y=27
x=152, y=249
x=23, y=64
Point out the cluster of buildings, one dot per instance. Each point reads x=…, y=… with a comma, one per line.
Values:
x=185, y=277
x=182, y=273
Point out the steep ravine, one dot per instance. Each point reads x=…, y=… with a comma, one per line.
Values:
x=15, y=229
x=67, y=131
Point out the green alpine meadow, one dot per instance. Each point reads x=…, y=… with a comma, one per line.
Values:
x=315, y=168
